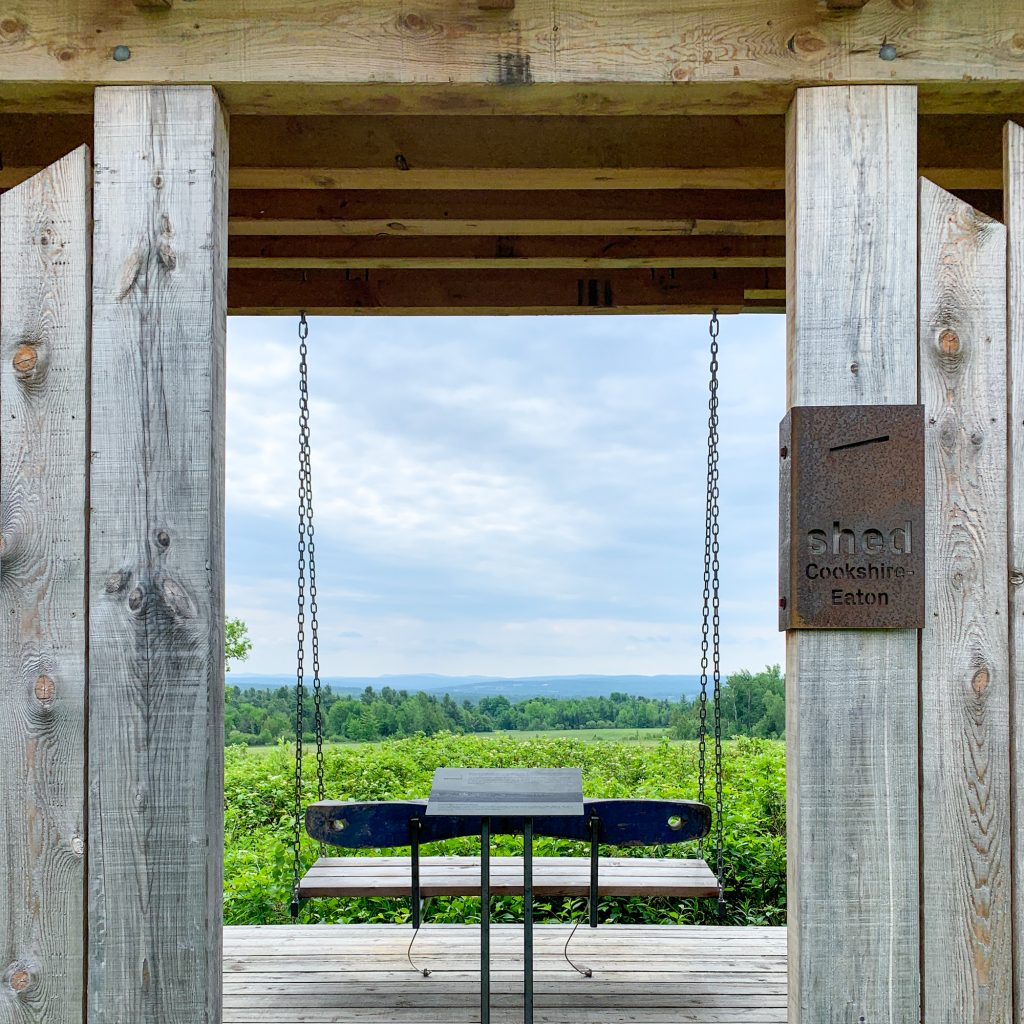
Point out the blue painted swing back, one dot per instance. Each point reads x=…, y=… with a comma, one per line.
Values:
x=383, y=824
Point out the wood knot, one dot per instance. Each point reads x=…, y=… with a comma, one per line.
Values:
x=949, y=342
x=12, y=29
x=163, y=538
x=130, y=270
x=682, y=73
x=1017, y=44
x=77, y=845
x=20, y=980
x=116, y=583
x=25, y=359
x=807, y=43
x=980, y=681
x=136, y=599
x=177, y=600
x=167, y=256
x=1016, y=578
x=414, y=24
x=69, y=53
x=45, y=689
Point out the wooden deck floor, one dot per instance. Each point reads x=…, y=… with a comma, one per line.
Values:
x=359, y=974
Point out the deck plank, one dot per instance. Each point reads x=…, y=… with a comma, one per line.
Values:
x=359, y=974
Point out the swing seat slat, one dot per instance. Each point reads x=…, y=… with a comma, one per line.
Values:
x=552, y=876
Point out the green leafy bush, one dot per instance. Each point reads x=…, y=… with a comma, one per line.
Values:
x=260, y=804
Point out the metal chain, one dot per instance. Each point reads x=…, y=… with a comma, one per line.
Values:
x=300, y=652
x=710, y=646
x=712, y=534
x=306, y=487
x=306, y=572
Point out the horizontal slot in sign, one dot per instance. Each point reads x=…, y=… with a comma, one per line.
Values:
x=851, y=509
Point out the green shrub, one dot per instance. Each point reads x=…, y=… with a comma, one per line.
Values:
x=259, y=809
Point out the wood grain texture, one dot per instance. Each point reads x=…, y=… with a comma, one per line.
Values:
x=552, y=876
x=471, y=252
x=157, y=631
x=510, y=212
x=493, y=291
x=852, y=696
x=745, y=148
x=44, y=332
x=641, y=975
x=965, y=695
x=1014, y=205
x=747, y=52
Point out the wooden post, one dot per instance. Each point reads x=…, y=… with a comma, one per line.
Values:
x=157, y=633
x=965, y=686
x=44, y=334
x=852, y=696
x=1013, y=212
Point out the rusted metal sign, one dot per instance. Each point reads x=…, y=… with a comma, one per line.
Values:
x=851, y=508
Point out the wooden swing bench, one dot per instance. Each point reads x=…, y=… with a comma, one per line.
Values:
x=608, y=822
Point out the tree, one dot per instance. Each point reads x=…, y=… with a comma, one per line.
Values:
x=237, y=644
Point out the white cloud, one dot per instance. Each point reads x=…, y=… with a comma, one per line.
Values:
x=505, y=496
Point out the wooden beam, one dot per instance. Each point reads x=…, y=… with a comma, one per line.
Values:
x=1014, y=202
x=44, y=333
x=483, y=291
x=503, y=252
x=506, y=213
x=965, y=685
x=445, y=53
x=851, y=696
x=459, y=152
x=156, y=739
x=494, y=179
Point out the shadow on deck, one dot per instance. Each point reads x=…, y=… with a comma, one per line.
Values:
x=359, y=974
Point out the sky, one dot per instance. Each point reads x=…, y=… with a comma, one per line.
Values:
x=505, y=496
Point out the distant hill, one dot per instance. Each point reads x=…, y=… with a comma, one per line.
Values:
x=474, y=687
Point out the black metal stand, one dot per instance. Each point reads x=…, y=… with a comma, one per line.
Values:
x=595, y=862
x=414, y=888
x=485, y=921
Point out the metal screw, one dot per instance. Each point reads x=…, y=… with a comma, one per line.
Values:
x=887, y=51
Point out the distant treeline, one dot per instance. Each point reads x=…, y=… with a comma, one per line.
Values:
x=752, y=705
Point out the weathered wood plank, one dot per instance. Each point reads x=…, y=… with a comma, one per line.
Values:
x=1014, y=206
x=965, y=703
x=852, y=696
x=494, y=291
x=537, y=252
x=156, y=632
x=45, y=297
x=373, y=151
x=719, y=55
x=553, y=876
x=642, y=975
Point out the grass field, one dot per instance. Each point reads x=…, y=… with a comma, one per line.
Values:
x=645, y=736
x=615, y=763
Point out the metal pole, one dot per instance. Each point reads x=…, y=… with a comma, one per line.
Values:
x=414, y=827
x=528, y=920
x=485, y=921
x=595, y=826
